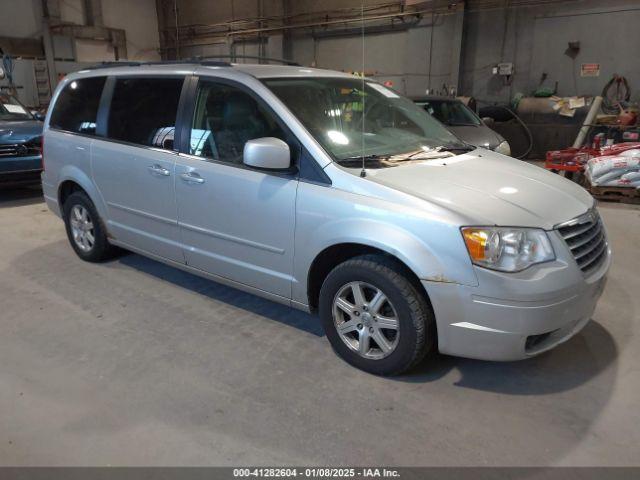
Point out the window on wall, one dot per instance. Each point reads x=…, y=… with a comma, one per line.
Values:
x=144, y=110
x=225, y=118
x=76, y=109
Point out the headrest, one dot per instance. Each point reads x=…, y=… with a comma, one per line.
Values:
x=238, y=108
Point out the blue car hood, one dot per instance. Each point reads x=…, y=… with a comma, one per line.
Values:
x=19, y=132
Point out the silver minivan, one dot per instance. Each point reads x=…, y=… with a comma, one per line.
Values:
x=329, y=193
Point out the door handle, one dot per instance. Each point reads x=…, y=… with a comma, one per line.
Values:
x=191, y=177
x=158, y=170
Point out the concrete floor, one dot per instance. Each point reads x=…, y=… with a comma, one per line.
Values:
x=134, y=363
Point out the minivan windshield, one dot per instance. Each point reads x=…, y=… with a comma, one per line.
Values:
x=332, y=110
x=450, y=112
x=12, y=109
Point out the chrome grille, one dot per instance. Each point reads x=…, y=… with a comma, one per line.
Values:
x=9, y=150
x=18, y=150
x=586, y=239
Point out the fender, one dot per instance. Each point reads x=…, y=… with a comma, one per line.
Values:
x=77, y=175
x=414, y=252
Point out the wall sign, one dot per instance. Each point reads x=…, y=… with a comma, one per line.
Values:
x=590, y=70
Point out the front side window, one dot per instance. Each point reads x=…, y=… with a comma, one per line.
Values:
x=450, y=112
x=225, y=118
x=351, y=118
x=144, y=110
x=76, y=109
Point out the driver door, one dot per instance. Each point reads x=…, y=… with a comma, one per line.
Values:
x=235, y=222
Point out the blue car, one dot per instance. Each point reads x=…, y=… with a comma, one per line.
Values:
x=20, y=143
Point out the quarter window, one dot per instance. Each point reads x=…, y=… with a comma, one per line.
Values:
x=225, y=118
x=76, y=109
x=144, y=110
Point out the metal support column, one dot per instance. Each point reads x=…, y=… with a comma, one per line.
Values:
x=456, y=47
x=47, y=41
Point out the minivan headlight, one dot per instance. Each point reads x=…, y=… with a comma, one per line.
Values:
x=504, y=148
x=507, y=249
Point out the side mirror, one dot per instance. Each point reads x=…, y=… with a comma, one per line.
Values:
x=268, y=153
x=39, y=116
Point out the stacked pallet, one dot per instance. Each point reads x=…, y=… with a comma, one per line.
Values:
x=615, y=194
x=615, y=177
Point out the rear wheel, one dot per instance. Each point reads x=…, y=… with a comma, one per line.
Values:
x=85, y=229
x=374, y=316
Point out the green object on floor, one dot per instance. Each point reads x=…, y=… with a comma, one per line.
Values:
x=543, y=92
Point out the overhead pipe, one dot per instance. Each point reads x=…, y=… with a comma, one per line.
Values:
x=324, y=23
x=444, y=9
x=289, y=17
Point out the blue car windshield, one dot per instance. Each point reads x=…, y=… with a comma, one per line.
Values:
x=12, y=109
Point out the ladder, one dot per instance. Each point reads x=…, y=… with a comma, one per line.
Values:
x=43, y=87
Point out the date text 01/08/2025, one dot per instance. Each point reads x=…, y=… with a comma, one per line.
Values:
x=321, y=472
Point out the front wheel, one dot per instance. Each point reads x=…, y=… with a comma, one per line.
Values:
x=374, y=316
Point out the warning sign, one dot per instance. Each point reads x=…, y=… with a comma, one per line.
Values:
x=590, y=70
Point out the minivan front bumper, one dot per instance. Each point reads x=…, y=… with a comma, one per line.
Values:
x=512, y=316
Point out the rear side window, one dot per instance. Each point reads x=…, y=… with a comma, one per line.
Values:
x=76, y=109
x=144, y=110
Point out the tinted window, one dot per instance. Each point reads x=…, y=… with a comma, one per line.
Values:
x=144, y=110
x=76, y=109
x=224, y=120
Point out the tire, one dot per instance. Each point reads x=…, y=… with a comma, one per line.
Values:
x=405, y=307
x=99, y=249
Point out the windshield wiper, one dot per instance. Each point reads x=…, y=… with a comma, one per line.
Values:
x=400, y=157
x=359, y=158
x=437, y=152
x=457, y=147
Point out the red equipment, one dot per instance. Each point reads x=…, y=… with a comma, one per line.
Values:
x=574, y=159
x=569, y=159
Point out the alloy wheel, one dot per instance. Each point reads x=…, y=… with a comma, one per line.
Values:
x=82, y=228
x=365, y=320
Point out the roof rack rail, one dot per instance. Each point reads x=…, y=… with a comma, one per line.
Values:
x=164, y=62
x=190, y=61
x=209, y=61
x=114, y=64
x=249, y=57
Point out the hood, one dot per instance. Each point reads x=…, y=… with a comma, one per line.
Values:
x=489, y=189
x=480, y=135
x=22, y=131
